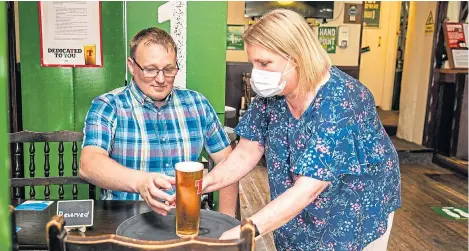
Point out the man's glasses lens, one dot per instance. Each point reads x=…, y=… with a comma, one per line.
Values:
x=152, y=73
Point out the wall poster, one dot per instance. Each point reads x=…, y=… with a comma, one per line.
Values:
x=70, y=34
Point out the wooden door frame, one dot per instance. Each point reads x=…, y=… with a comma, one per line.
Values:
x=14, y=85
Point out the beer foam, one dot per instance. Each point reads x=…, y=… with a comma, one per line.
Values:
x=189, y=166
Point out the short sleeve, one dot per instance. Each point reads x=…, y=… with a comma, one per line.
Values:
x=215, y=136
x=99, y=122
x=254, y=123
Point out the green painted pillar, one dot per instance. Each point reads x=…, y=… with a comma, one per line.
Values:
x=5, y=233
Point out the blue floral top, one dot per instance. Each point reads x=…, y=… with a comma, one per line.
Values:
x=339, y=139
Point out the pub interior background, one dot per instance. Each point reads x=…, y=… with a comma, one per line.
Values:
x=422, y=101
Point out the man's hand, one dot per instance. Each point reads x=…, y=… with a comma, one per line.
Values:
x=151, y=187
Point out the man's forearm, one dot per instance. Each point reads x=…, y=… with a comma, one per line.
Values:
x=228, y=199
x=107, y=173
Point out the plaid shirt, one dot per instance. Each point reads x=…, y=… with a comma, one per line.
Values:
x=138, y=135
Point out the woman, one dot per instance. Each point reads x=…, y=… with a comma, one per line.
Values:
x=333, y=171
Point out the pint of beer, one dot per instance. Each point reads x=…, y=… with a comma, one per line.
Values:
x=90, y=54
x=188, y=192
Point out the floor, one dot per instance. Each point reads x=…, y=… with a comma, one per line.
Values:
x=416, y=227
x=388, y=118
x=406, y=146
x=254, y=194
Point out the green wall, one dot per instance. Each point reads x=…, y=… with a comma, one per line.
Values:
x=58, y=98
x=5, y=232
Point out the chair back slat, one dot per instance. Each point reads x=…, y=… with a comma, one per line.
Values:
x=32, y=169
x=247, y=89
x=61, y=169
x=46, y=169
x=74, y=169
x=18, y=167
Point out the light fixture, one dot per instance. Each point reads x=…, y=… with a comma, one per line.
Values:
x=285, y=2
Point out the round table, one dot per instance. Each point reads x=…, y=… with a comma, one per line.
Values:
x=154, y=227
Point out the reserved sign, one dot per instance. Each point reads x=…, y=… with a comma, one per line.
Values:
x=77, y=213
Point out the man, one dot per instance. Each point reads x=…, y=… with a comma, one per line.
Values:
x=135, y=135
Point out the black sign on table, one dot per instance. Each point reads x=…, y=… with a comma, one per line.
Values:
x=77, y=213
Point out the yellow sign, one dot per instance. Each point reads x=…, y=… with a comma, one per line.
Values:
x=429, y=25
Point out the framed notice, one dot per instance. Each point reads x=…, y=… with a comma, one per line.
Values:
x=234, y=37
x=70, y=33
x=456, y=45
x=371, y=14
x=327, y=36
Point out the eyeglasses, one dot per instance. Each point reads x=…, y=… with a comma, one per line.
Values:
x=153, y=72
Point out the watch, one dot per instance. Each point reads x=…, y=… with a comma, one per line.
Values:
x=256, y=231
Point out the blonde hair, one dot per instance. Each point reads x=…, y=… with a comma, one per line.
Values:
x=285, y=32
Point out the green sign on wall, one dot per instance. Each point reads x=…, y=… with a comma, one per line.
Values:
x=371, y=14
x=234, y=37
x=327, y=36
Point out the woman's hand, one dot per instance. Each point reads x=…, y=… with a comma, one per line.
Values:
x=207, y=181
x=231, y=234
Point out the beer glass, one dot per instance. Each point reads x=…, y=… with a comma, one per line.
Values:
x=90, y=54
x=188, y=192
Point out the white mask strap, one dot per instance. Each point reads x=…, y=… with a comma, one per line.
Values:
x=285, y=72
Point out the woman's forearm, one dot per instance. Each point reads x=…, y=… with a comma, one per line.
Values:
x=288, y=205
x=239, y=163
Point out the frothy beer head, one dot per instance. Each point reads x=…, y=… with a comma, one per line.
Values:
x=189, y=166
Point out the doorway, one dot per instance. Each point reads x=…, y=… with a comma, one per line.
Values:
x=400, y=54
x=378, y=62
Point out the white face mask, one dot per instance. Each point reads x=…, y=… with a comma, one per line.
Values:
x=267, y=83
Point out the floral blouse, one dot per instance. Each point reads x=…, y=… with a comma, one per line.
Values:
x=339, y=139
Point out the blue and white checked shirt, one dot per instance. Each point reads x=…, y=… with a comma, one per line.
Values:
x=138, y=135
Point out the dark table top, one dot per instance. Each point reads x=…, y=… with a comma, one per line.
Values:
x=108, y=215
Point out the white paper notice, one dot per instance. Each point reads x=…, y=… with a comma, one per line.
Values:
x=71, y=33
x=460, y=58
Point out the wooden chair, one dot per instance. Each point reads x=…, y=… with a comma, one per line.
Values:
x=18, y=182
x=248, y=92
x=59, y=240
